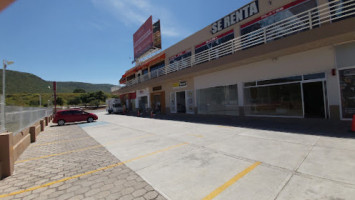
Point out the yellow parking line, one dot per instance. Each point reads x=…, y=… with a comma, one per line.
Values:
x=223, y=187
x=61, y=141
x=93, y=171
x=195, y=135
x=82, y=149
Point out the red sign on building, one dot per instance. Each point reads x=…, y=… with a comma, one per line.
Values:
x=143, y=38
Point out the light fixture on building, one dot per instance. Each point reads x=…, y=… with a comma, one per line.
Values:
x=270, y=2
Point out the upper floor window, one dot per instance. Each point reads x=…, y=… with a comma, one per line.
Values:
x=180, y=56
x=281, y=29
x=214, y=41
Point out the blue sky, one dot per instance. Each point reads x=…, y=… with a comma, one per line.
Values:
x=92, y=40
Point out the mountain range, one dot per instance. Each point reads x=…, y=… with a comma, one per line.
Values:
x=21, y=82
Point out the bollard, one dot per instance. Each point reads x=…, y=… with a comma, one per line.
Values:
x=151, y=114
x=6, y=155
x=353, y=124
x=138, y=114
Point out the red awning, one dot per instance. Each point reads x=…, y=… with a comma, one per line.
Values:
x=132, y=95
x=144, y=65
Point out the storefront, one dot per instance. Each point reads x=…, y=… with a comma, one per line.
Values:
x=220, y=100
x=346, y=71
x=297, y=86
x=181, y=98
x=128, y=101
x=295, y=96
x=143, y=99
x=157, y=97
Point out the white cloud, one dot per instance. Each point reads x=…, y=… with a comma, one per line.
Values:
x=135, y=12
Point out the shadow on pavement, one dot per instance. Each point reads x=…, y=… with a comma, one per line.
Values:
x=322, y=127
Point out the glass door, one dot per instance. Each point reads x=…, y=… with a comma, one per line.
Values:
x=313, y=99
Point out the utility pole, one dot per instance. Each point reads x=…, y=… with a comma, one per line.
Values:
x=3, y=100
x=55, y=96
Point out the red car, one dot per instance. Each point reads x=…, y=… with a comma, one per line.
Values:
x=73, y=115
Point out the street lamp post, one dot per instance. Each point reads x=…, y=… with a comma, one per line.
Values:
x=3, y=100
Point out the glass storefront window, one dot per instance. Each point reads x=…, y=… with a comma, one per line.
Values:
x=143, y=103
x=277, y=100
x=347, y=89
x=280, y=80
x=314, y=76
x=222, y=100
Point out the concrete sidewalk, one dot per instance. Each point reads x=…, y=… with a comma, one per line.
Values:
x=66, y=163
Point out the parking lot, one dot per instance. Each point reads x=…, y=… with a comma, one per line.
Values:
x=224, y=162
x=186, y=160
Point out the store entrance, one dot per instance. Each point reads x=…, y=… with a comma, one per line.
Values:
x=181, y=102
x=313, y=97
x=158, y=102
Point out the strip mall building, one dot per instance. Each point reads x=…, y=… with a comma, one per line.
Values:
x=279, y=58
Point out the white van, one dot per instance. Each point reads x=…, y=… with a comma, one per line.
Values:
x=114, y=106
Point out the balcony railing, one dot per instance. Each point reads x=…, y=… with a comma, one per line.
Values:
x=307, y=20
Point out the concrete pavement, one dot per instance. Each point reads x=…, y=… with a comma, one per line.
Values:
x=293, y=165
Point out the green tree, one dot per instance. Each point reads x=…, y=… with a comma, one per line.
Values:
x=34, y=103
x=74, y=101
x=100, y=95
x=60, y=101
x=95, y=102
x=85, y=99
x=79, y=90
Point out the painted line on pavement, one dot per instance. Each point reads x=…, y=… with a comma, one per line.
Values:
x=196, y=135
x=223, y=187
x=96, y=123
x=82, y=149
x=93, y=171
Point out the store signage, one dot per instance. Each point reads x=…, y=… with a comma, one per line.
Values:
x=156, y=88
x=180, y=84
x=143, y=92
x=143, y=38
x=235, y=17
x=179, y=55
x=273, y=12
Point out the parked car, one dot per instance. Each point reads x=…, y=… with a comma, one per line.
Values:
x=73, y=115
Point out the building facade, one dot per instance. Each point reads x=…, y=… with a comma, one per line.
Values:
x=277, y=58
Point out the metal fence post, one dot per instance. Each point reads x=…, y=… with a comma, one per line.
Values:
x=310, y=20
x=265, y=40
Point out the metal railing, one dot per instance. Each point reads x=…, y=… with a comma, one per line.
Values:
x=18, y=118
x=307, y=20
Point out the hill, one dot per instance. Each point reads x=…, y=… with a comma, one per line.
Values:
x=21, y=82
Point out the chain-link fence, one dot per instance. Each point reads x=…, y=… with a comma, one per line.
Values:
x=18, y=118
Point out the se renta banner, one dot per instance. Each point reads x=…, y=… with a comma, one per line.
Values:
x=143, y=38
x=235, y=17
